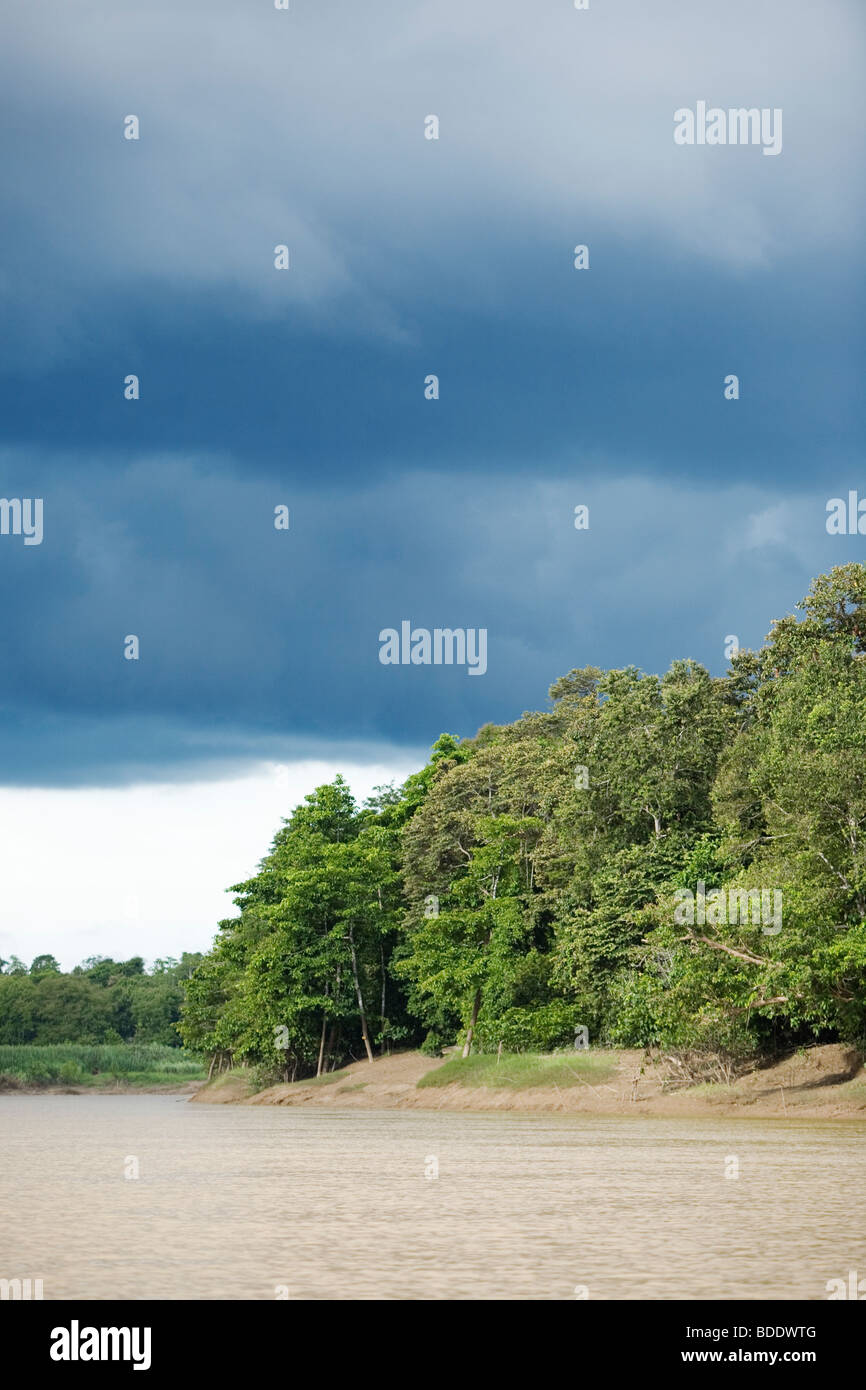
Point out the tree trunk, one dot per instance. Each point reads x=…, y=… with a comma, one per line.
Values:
x=361, y=1009
x=382, y=959
x=322, y=1045
x=476, y=1005
x=329, y=1045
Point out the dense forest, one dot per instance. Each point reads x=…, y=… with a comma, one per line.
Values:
x=100, y=1001
x=675, y=860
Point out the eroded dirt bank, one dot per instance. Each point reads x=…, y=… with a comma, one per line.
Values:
x=827, y=1082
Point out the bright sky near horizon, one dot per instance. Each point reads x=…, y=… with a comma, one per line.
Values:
x=142, y=870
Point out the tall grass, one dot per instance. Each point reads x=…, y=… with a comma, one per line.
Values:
x=97, y=1065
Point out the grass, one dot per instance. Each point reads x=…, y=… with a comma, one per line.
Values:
x=712, y=1090
x=103, y=1064
x=230, y=1078
x=249, y=1078
x=326, y=1080
x=522, y=1071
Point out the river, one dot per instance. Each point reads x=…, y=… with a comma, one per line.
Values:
x=256, y=1202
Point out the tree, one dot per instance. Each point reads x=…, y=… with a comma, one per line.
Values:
x=13, y=966
x=17, y=1008
x=531, y=875
x=303, y=972
x=44, y=965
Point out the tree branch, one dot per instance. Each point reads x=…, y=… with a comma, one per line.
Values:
x=729, y=950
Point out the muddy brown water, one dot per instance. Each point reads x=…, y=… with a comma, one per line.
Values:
x=241, y=1202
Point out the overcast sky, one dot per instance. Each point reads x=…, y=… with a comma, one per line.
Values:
x=306, y=388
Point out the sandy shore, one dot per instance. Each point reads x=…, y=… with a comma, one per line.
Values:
x=827, y=1082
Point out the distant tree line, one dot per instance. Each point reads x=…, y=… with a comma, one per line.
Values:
x=100, y=1001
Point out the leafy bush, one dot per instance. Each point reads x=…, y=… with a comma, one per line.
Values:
x=531, y=1030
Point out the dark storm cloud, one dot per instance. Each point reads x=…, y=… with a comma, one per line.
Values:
x=263, y=643
x=409, y=257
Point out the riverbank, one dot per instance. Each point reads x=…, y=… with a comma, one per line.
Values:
x=80, y=1068
x=13, y=1086
x=827, y=1082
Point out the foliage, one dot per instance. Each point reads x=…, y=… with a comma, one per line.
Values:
x=530, y=880
x=101, y=1001
x=72, y=1063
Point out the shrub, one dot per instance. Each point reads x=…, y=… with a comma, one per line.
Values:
x=432, y=1045
x=531, y=1030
